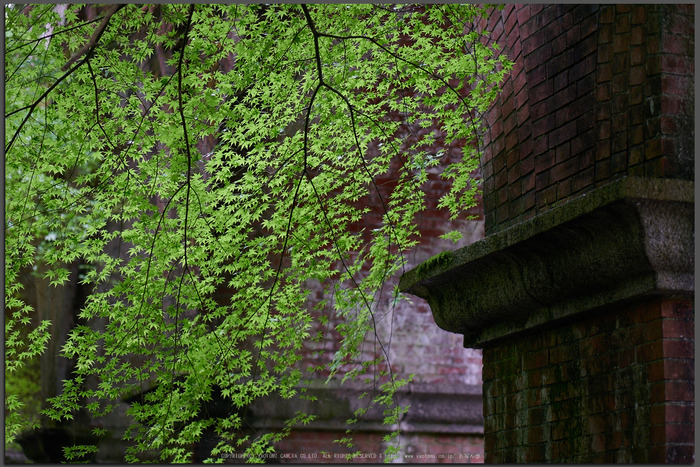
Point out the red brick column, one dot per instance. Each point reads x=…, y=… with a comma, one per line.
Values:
x=585, y=317
x=613, y=387
x=581, y=293
x=596, y=93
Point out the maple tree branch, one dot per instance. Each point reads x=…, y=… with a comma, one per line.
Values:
x=90, y=46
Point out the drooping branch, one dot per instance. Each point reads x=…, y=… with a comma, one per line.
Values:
x=188, y=183
x=281, y=198
x=92, y=43
x=324, y=210
x=89, y=47
x=53, y=34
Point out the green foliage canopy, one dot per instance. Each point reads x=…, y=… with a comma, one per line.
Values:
x=243, y=161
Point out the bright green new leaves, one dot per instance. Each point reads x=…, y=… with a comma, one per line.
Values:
x=190, y=150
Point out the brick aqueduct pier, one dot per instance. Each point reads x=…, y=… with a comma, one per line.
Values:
x=581, y=293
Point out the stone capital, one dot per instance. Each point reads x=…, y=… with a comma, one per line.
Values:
x=630, y=238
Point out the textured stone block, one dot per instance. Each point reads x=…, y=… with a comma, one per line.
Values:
x=625, y=239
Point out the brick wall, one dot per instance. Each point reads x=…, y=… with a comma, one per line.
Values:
x=407, y=331
x=644, y=99
x=596, y=93
x=614, y=387
x=576, y=368
x=416, y=346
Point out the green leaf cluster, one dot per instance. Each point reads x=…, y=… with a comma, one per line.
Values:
x=190, y=149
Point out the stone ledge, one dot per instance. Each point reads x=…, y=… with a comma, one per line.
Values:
x=433, y=409
x=630, y=238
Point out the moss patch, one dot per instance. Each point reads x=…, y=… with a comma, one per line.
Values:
x=441, y=260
